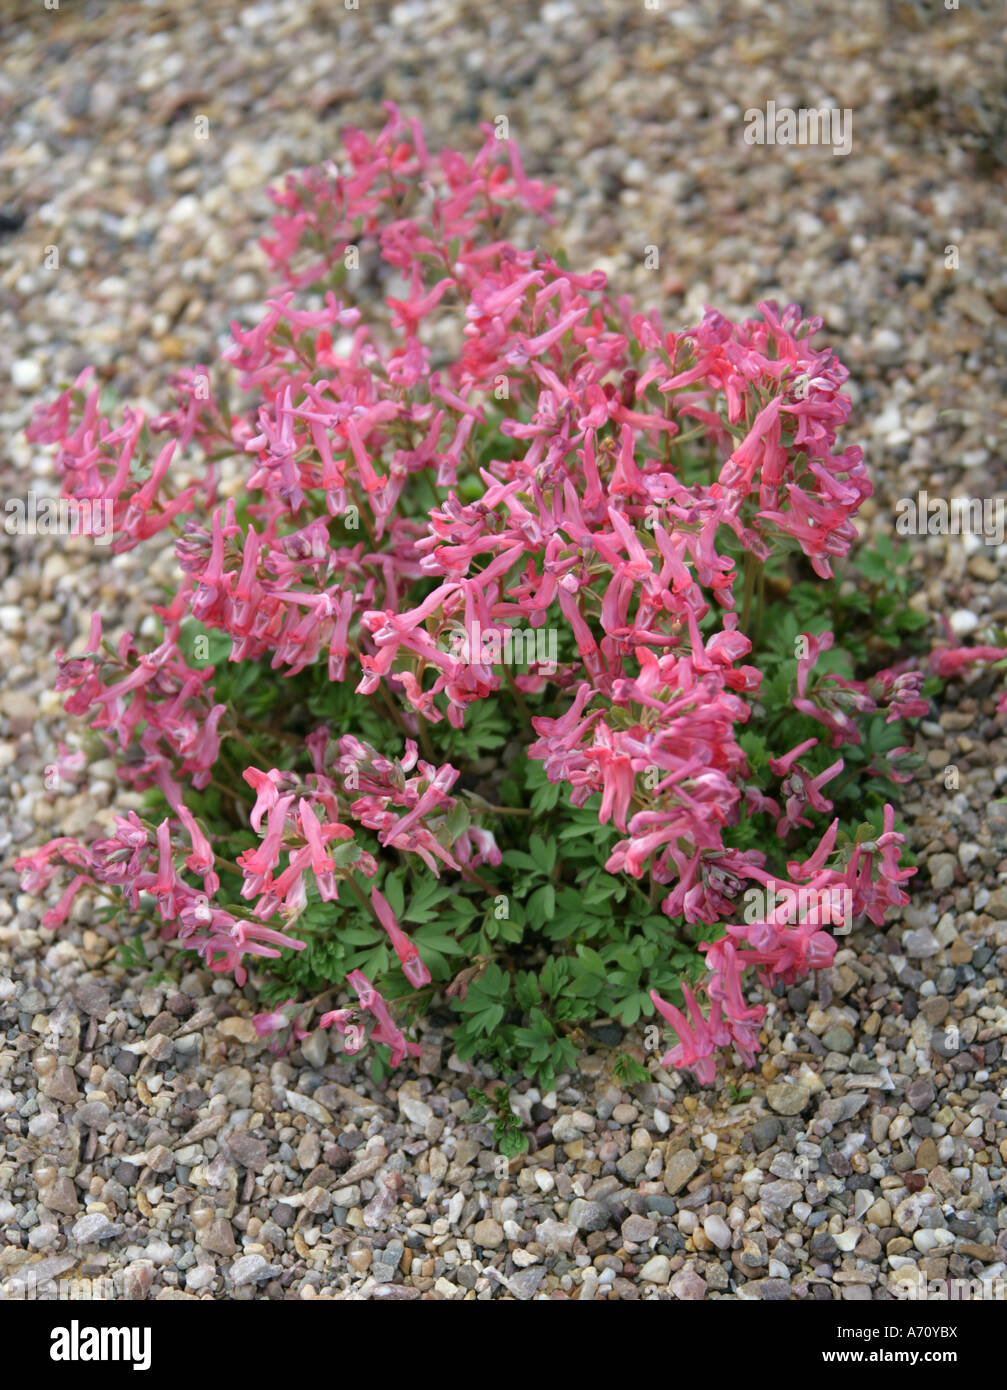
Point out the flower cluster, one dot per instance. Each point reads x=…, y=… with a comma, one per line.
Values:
x=567, y=462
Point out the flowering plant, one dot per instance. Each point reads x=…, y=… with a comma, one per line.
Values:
x=490, y=672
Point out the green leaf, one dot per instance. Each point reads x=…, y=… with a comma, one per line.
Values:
x=543, y=853
x=512, y=1143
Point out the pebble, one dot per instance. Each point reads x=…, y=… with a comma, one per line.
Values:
x=218, y=1237
x=838, y=1040
x=718, y=1231
x=682, y=1166
x=765, y=1133
x=556, y=1236
x=638, y=1229
x=138, y=1277
x=61, y=1085
x=589, y=1216
x=788, y=1099
x=61, y=1195
x=631, y=1165
x=488, y=1233
x=920, y=1094
x=688, y=1285
x=657, y=1270
x=96, y=1227
x=417, y=1112
x=920, y=945
x=252, y=1269
x=26, y=374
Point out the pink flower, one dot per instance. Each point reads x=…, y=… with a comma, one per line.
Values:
x=698, y=1036
x=409, y=957
x=947, y=662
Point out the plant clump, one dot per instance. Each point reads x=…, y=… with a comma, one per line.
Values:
x=507, y=671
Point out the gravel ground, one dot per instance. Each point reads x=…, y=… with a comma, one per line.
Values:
x=149, y=1138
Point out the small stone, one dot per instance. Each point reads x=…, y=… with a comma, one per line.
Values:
x=305, y=1105
x=682, y=1165
x=718, y=1231
x=838, y=1040
x=26, y=374
x=61, y=1085
x=524, y=1284
x=996, y=905
x=788, y=1099
x=921, y=944
x=631, y=1165
x=765, y=1133
x=43, y=1235
x=863, y=1198
x=657, y=1270
x=920, y=1094
x=252, y=1269
x=935, y=1009
x=160, y=1159
x=315, y=1048
x=772, y=1290
x=417, y=1112
x=93, y=1228
x=880, y=1214
x=926, y=1155
x=61, y=1195
x=780, y=1196
x=318, y=1200
x=308, y=1151
x=942, y=875
x=250, y=1152
x=638, y=1229
x=688, y=1285
x=92, y=997
x=565, y=1131
x=589, y=1216
x=488, y=1233
x=218, y=1237
x=241, y=1029
x=94, y=1114
x=137, y=1279
x=556, y=1236
x=908, y=1212
x=236, y=1084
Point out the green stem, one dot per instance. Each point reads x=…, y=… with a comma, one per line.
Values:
x=473, y=877
x=240, y=738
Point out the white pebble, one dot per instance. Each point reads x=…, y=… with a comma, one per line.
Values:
x=26, y=374
x=963, y=621
x=718, y=1231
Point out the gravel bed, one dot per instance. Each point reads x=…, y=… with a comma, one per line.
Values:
x=146, y=1136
